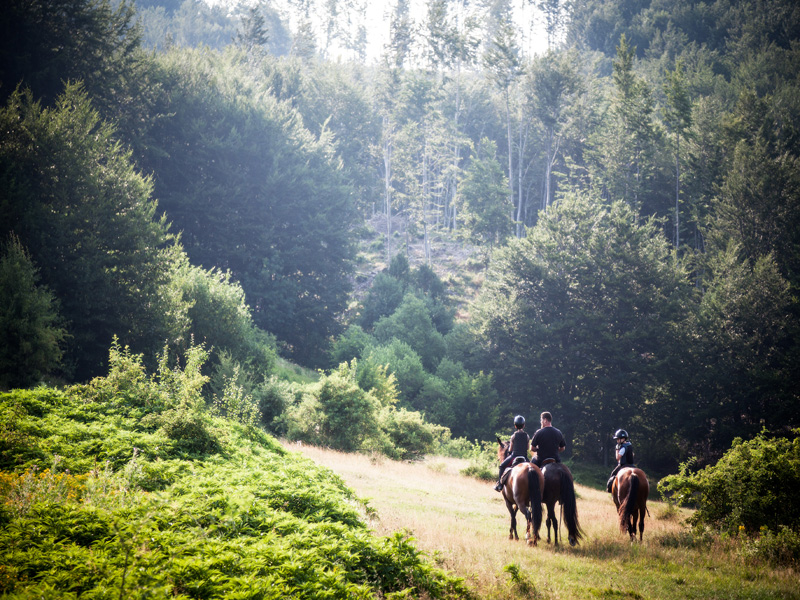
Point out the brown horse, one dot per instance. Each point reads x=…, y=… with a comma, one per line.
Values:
x=523, y=491
x=560, y=487
x=630, y=490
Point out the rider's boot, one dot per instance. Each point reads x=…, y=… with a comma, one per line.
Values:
x=499, y=486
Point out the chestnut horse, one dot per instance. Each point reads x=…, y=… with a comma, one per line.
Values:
x=523, y=491
x=560, y=487
x=630, y=490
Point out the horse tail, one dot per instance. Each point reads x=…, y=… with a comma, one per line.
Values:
x=570, y=506
x=535, y=496
x=626, y=511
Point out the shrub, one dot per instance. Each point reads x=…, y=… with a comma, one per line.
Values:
x=410, y=436
x=482, y=461
x=753, y=485
x=235, y=403
x=273, y=397
x=781, y=547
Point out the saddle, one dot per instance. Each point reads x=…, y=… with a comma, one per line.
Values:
x=515, y=462
x=548, y=461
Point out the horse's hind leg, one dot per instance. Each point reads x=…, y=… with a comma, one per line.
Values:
x=512, y=531
x=641, y=525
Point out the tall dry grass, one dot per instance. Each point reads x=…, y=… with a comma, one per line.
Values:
x=463, y=523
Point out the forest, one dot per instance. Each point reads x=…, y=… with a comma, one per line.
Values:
x=182, y=177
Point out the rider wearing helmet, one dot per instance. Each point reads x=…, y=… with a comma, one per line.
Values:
x=520, y=442
x=624, y=455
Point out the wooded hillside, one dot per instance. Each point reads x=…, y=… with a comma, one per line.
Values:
x=177, y=174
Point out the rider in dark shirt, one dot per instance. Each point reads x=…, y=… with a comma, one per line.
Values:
x=624, y=455
x=548, y=441
x=520, y=442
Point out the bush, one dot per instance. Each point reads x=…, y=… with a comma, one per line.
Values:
x=752, y=486
x=781, y=547
x=410, y=436
x=482, y=461
x=273, y=397
x=334, y=412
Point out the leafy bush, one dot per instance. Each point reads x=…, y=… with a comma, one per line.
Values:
x=273, y=397
x=752, y=486
x=780, y=547
x=410, y=436
x=482, y=461
x=334, y=412
x=236, y=403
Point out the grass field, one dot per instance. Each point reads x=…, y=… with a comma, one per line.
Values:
x=463, y=523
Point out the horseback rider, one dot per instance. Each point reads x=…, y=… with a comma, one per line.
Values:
x=547, y=442
x=624, y=455
x=519, y=444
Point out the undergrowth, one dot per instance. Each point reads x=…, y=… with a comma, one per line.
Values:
x=128, y=488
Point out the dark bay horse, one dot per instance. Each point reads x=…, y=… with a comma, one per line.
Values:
x=523, y=491
x=630, y=490
x=560, y=487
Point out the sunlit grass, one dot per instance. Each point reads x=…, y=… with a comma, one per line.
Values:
x=464, y=523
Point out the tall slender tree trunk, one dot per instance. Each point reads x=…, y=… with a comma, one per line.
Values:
x=511, y=162
x=387, y=185
x=677, y=192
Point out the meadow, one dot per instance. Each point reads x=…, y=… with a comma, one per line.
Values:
x=463, y=524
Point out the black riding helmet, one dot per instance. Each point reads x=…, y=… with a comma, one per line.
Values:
x=621, y=433
x=519, y=421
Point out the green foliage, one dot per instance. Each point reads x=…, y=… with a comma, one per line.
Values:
x=780, y=547
x=256, y=195
x=402, y=362
x=54, y=41
x=335, y=412
x=410, y=436
x=411, y=323
x=482, y=460
x=30, y=326
x=485, y=205
x=572, y=316
x=274, y=396
x=87, y=220
x=208, y=307
x=249, y=520
x=383, y=298
x=236, y=403
x=752, y=486
x=351, y=344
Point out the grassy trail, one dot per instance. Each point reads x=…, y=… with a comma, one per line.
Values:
x=463, y=523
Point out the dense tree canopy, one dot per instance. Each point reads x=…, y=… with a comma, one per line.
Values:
x=646, y=163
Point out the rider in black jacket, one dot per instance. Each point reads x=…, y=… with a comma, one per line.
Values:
x=520, y=442
x=624, y=455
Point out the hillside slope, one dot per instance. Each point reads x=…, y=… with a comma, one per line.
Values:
x=120, y=496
